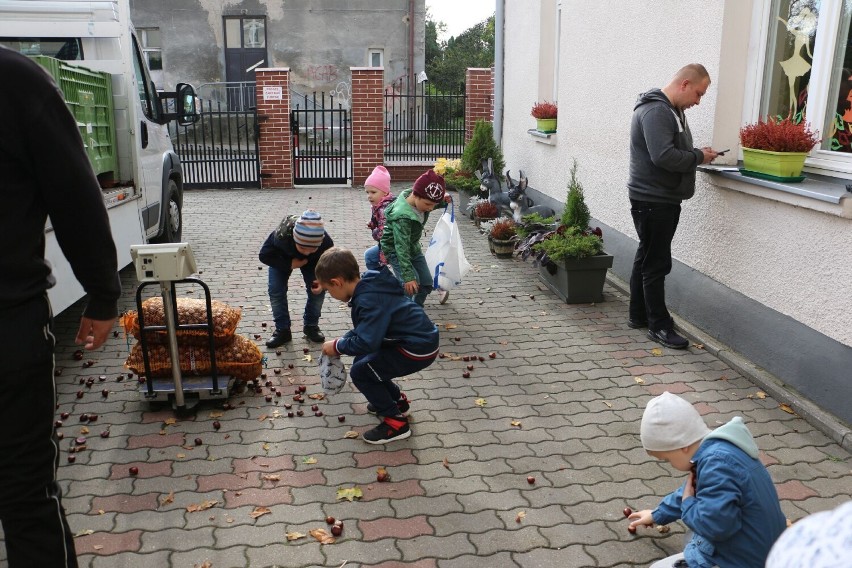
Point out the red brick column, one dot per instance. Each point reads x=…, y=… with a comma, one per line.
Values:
x=273, y=116
x=479, y=99
x=368, y=121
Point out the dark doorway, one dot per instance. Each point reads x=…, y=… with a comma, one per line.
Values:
x=245, y=51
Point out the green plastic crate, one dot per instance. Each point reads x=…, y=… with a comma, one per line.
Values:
x=88, y=95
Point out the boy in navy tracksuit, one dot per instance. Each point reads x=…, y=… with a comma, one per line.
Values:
x=393, y=337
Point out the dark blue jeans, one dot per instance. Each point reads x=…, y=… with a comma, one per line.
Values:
x=37, y=533
x=278, y=282
x=655, y=224
x=373, y=375
x=424, y=276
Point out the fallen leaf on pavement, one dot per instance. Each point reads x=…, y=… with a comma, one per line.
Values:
x=205, y=564
x=760, y=394
x=170, y=421
x=166, y=499
x=271, y=477
x=203, y=506
x=663, y=529
x=84, y=430
x=516, y=423
x=607, y=403
x=216, y=414
x=84, y=533
x=295, y=535
x=351, y=434
x=317, y=396
x=520, y=517
x=446, y=463
x=656, y=351
x=98, y=547
x=322, y=536
x=450, y=326
x=259, y=512
x=349, y=493
x=266, y=447
x=698, y=345
x=639, y=380
x=262, y=417
x=787, y=408
x=181, y=456
x=308, y=358
x=309, y=460
x=481, y=402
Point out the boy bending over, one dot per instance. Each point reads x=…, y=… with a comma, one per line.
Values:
x=728, y=501
x=392, y=337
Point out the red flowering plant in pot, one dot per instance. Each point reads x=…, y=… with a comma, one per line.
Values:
x=777, y=147
x=545, y=115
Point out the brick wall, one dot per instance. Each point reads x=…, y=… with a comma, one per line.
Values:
x=275, y=141
x=479, y=102
x=368, y=121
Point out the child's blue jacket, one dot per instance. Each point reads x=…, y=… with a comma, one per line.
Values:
x=735, y=513
x=384, y=316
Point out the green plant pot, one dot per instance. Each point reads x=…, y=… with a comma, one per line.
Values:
x=778, y=164
x=578, y=281
x=545, y=125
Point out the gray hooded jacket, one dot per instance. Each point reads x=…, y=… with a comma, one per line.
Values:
x=662, y=158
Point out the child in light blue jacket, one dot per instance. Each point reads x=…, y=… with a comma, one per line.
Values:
x=728, y=501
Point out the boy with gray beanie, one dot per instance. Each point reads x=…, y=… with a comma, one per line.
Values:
x=728, y=501
x=298, y=242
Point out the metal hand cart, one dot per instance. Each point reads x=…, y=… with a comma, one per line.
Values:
x=168, y=265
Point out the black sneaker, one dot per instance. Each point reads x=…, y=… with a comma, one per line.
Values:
x=313, y=333
x=637, y=324
x=402, y=404
x=279, y=338
x=388, y=430
x=669, y=338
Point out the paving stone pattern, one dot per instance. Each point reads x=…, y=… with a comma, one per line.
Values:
x=560, y=402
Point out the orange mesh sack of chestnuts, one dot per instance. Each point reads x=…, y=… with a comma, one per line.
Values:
x=240, y=359
x=189, y=311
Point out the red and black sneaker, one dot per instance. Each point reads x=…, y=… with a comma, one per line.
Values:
x=388, y=430
x=402, y=404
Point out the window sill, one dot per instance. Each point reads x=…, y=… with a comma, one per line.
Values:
x=541, y=137
x=819, y=193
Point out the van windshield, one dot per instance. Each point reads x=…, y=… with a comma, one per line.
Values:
x=67, y=49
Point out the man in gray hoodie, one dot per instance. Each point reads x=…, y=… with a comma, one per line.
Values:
x=662, y=174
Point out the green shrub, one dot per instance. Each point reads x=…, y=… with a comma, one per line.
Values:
x=572, y=243
x=481, y=147
x=576, y=213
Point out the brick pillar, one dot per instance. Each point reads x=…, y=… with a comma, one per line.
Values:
x=479, y=98
x=273, y=116
x=368, y=121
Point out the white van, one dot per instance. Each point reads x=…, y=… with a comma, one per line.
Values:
x=143, y=192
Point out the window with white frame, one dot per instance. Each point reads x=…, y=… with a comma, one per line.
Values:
x=376, y=58
x=807, y=73
x=152, y=47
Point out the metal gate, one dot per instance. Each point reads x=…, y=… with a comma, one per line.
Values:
x=322, y=141
x=220, y=151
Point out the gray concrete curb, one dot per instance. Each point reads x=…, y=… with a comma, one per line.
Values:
x=827, y=423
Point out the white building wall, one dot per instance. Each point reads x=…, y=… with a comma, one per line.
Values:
x=794, y=260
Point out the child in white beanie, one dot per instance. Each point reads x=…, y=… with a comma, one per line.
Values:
x=728, y=501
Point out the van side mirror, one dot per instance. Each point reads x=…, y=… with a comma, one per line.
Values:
x=185, y=102
x=182, y=102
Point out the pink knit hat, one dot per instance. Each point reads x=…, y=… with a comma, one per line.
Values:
x=380, y=179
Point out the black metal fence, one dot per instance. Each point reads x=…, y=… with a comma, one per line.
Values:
x=422, y=124
x=322, y=141
x=221, y=149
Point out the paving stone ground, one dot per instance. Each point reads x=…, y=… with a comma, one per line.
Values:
x=561, y=402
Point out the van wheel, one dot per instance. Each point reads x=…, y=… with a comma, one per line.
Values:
x=173, y=230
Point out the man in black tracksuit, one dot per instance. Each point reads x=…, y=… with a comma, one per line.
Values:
x=662, y=174
x=44, y=172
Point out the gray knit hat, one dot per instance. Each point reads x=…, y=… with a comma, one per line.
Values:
x=309, y=230
x=670, y=423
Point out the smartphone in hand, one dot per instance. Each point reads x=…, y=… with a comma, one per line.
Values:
x=723, y=152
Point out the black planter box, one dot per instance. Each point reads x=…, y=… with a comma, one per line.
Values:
x=578, y=281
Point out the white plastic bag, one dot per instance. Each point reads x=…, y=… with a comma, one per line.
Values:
x=445, y=255
x=332, y=374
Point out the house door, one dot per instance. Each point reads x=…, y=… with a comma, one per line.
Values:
x=245, y=51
